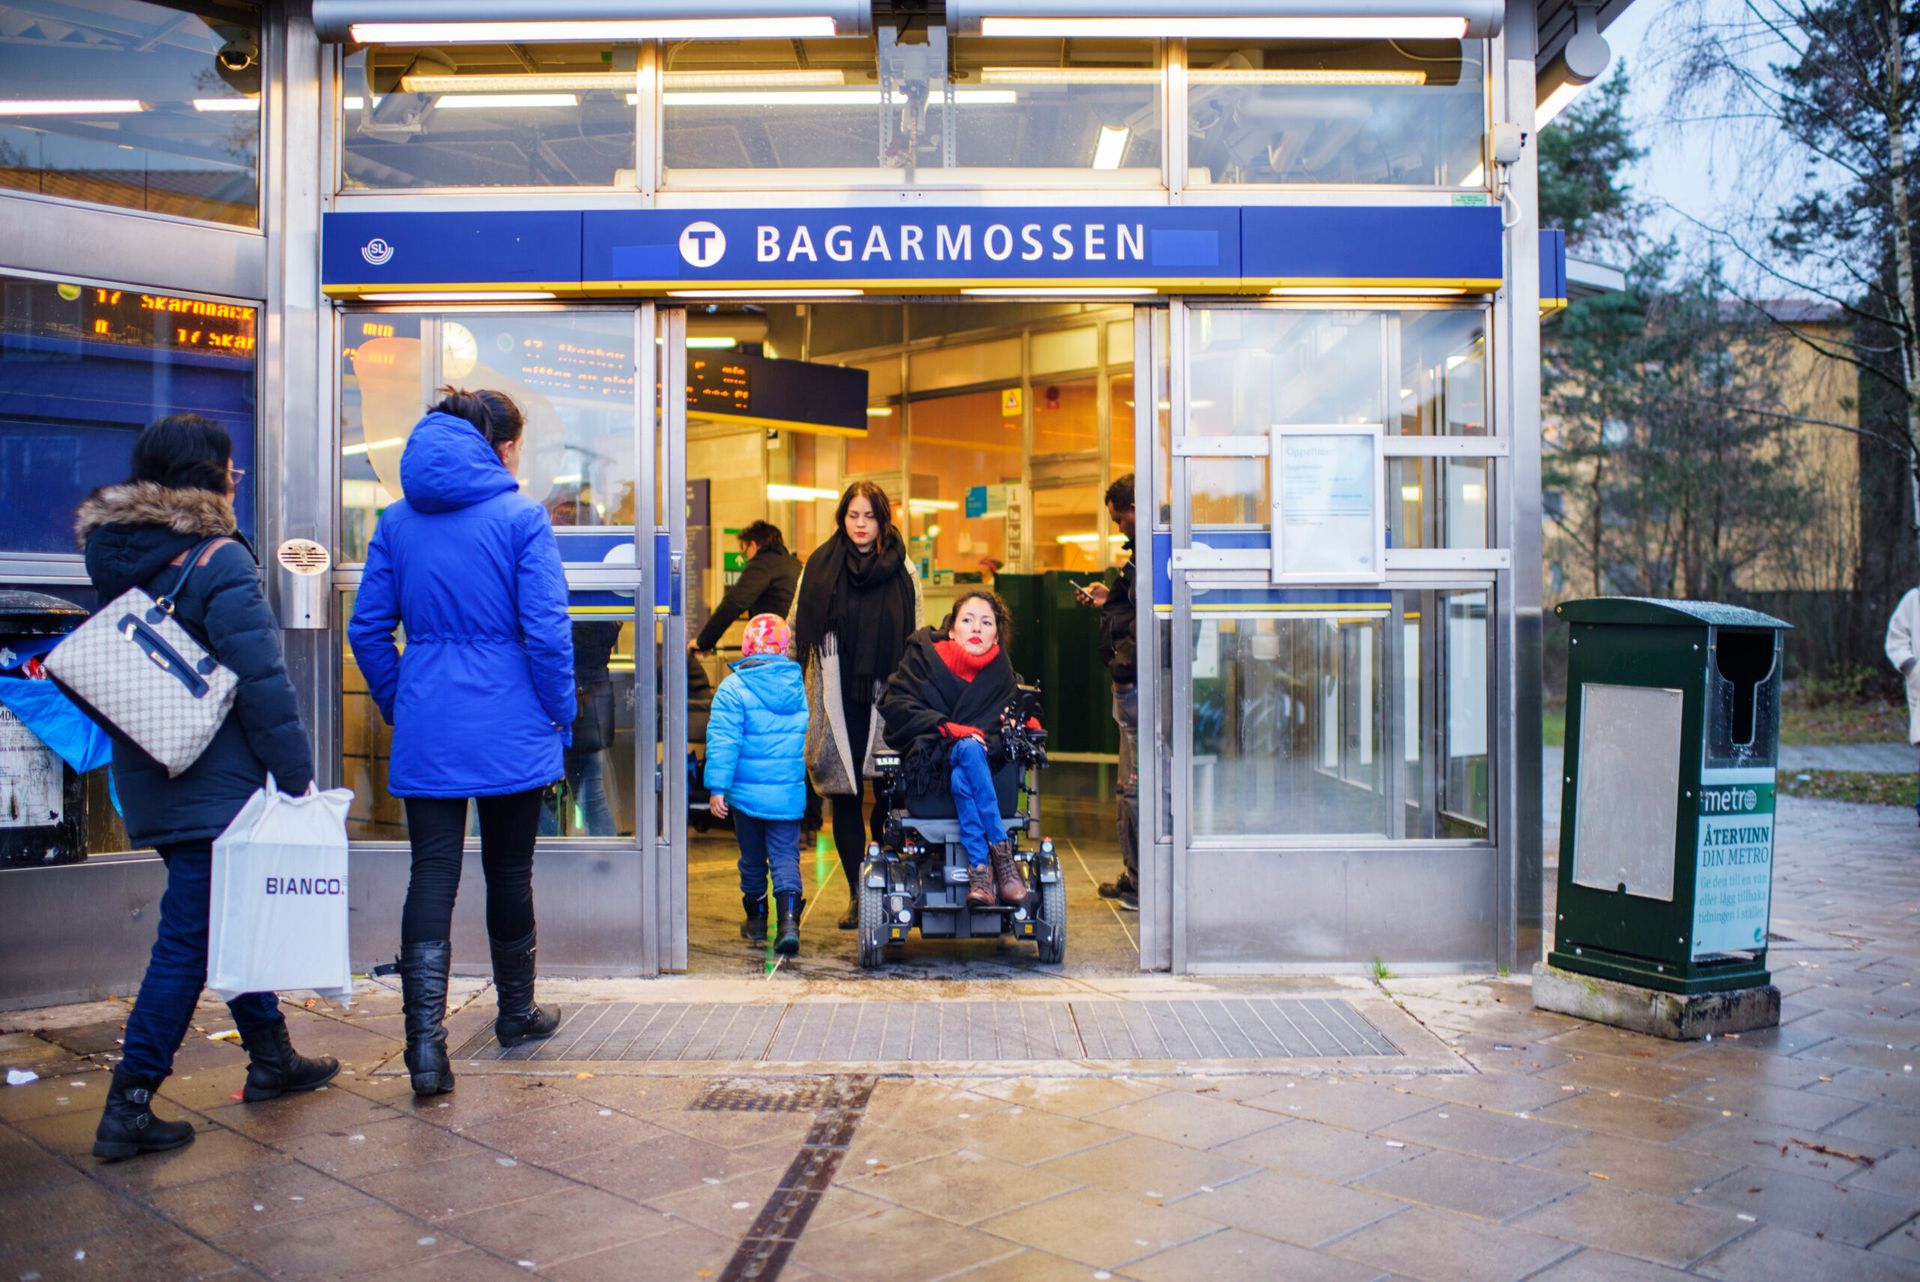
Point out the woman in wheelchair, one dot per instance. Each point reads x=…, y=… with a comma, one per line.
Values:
x=942, y=709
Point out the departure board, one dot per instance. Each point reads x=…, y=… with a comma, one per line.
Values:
x=796, y=395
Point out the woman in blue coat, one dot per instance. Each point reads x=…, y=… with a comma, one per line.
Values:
x=481, y=701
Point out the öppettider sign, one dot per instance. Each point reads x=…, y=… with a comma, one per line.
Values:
x=912, y=250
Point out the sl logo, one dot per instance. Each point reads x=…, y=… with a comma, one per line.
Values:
x=376, y=252
x=702, y=244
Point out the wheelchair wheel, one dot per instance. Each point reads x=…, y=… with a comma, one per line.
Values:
x=1053, y=911
x=873, y=929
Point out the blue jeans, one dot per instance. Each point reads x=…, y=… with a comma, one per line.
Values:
x=177, y=970
x=767, y=844
x=586, y=781
x=974, y=799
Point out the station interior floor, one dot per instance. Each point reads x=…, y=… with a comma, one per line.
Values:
x=1077, y=811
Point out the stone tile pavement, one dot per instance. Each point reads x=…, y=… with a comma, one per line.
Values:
x=1559, y=1151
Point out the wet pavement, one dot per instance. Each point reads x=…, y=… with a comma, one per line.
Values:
x=1500, y=1143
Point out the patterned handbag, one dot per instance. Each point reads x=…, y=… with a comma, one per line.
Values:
x=134, y=668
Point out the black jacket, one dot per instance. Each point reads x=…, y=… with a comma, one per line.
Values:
x=764, y=587
x=131, y=533
x=1116, y=628
x=923, y=694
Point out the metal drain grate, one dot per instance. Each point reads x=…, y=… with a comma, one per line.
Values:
x=906, y=1032
x=746, y=1095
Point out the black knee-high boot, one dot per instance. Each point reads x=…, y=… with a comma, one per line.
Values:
x=518, y=1020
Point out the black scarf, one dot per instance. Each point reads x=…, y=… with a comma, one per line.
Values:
x=865, y=599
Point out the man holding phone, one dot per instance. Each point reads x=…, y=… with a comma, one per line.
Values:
x=1117, y=650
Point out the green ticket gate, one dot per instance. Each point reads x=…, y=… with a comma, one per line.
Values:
x=1666, y=825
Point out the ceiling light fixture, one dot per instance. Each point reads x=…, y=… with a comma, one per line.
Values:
x=71, y=106
x=226, y=104
x=817, y=98
x=765, y=293
x=450, y=296
x=1302, y=76
x=796, y=27
x=779, y=493
x=1244, y=28
x=516, y=82
x=1058, y=291
x=1370, y=291
x=1070, y=75
x=1112, y=147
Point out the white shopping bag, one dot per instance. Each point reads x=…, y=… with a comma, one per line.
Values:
x=279, y=912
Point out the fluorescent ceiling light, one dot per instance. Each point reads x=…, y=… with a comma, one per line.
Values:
x=1058, y=291
x=70, y=106
x=503, y=101
x=1088, y=537
x=593, y=32
x=879, y=411
x=1289, y=76
x=735, y=79
x=1249, y=28
x=226, y=104
x=1368, y=291
x=819, y=98
x=515, y=82
x=932, y=505
x=367, y=446
x=1557, y=101
x=1409, y=494
x=764, y=293
x=779, y=493
x=710, y=340
x=458, y=296
x=1472, y=492
x=1112, y=147
x=1070, y=75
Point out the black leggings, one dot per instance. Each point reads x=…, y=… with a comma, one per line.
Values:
x=437, y=827
x=852, y=827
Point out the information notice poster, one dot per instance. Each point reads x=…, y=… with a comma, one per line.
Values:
x=1327, y=483
x=1733, y=866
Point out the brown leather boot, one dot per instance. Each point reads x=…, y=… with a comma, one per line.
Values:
x=979, y=887
x=1006, y=878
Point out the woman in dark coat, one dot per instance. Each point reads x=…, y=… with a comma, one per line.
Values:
x=481, y=704
x=942, y=709
x=139, y=534
x=857, y=603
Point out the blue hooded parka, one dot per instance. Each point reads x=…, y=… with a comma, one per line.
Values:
x=757, y=738
x=481, y=701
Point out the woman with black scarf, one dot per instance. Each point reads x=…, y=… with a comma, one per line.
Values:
x=857, y=603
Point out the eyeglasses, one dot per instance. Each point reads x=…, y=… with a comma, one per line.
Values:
x=236, y=473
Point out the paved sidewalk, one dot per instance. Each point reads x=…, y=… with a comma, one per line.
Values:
x=1866, y=758
x=1550, y=1150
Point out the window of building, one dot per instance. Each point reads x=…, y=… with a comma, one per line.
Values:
x=501, y=115
x=83, y=367
x=142, y=106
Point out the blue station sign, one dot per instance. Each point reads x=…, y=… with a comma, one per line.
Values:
x=913, y=250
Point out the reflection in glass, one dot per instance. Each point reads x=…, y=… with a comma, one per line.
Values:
x=570, y=372
x=502, y=115
x=1455, y=515
x=1443, y=374
x=84, y=367
x=909, y=106
x=1293, y=715
x=143, y=106
x=1345, y=113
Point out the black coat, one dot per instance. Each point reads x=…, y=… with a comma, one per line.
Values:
x=1116, y=628
x=764, y=587
x=131, y=533
x=923, y=694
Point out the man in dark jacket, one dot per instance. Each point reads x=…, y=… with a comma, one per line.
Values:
x=1117, y=651
x=764, y=587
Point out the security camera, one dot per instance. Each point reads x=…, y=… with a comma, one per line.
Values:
x=238, y=54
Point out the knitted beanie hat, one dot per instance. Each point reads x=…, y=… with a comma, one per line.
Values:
x=766, y=634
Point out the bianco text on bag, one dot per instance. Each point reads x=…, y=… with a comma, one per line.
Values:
x=279, y=912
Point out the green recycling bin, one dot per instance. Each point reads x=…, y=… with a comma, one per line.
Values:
x=1666, y=821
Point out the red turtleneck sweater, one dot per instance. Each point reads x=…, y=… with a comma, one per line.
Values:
x=966, y=666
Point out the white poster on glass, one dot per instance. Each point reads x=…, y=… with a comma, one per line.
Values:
x=1327, y=480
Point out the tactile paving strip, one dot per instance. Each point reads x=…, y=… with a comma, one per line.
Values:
x=1260, y=1028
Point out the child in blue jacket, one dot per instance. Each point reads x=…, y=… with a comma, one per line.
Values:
x=756, y=771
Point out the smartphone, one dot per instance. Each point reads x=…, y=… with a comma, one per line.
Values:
x=1080, y=590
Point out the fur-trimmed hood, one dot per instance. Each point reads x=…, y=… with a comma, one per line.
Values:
x=200, y=513
x=130, y=531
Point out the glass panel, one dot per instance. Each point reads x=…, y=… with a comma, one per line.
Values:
x=1443, y=374
x=1060, y=351
x=1459, y=519
x=571, y=373
x=1293, y=715
x=84, y=367
x=595, y=796
x=889, y=110
x=143, y=106
x=499, y=115
x=1066, y=416
x=1067, y=531
x=1348, y=113
x=960, y=442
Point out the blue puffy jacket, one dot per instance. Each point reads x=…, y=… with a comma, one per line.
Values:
x=481, y=701
x=757, y=738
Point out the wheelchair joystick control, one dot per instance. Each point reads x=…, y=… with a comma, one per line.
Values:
x=905, y=914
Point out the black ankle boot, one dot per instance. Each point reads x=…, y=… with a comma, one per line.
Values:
x=788, y=942
x=755, y=926
x=519, y=1020
x=128, y=1126
x=274, y=1068
x=423, y=991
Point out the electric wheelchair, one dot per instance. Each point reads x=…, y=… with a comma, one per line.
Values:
x=916, y=875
